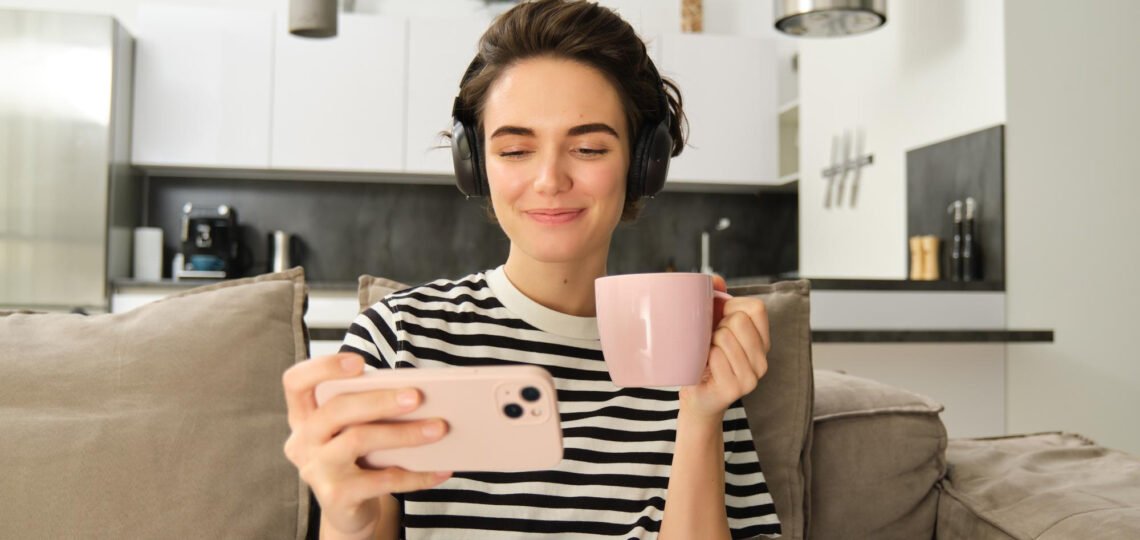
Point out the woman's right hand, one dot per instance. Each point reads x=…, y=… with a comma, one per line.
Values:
x=326, y=442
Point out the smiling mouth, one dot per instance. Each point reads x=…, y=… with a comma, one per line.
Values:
x=555, y=216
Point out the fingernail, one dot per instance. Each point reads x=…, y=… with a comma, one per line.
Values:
x=406, y=398
x=442, y=474
x=433, y=430
x=350, y=363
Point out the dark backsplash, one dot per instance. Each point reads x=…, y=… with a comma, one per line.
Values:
x=971, y=165
x=416, y=233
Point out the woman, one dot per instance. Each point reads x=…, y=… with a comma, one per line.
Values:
x=557, y=95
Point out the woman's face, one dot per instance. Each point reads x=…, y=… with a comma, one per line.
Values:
x=557, y=152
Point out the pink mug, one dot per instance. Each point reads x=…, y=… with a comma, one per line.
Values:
x=656, y=329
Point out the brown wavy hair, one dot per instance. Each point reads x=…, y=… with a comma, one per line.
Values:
x=587, y=33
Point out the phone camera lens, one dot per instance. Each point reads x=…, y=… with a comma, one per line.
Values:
x=513, y=410
x=530, y=393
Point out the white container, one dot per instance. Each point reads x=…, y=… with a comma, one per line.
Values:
x=148, y=254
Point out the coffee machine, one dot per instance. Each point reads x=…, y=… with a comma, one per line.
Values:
x=210, y=243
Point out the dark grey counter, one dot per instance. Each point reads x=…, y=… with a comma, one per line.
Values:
x=932, y=336
x=745, y=286
x=736, y=286
x=856, y=336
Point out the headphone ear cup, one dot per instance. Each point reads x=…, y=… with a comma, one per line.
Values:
x=466, y=160
x=655, y=169
x=635, y=180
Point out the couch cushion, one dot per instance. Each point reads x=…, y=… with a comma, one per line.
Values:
x=1047, y=486
x=163, y=422
x=370, y=289
x=779, y=410
x=877, y=453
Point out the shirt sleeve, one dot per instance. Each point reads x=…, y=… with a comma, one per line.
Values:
x=750, y=508
x=373, y=335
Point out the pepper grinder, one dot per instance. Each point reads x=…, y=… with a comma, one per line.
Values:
x=955, y=267
x=971, y=249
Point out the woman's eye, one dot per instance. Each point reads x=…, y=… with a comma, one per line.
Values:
x=593, y=152
x=511, y=155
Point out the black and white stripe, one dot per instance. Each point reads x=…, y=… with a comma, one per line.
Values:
x=618, y=441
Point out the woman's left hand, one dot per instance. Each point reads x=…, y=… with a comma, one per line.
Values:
x=738, y=357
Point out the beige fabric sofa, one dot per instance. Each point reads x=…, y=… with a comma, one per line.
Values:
x=168, y=422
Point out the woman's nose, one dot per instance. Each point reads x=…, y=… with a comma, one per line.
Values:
x=551, y=177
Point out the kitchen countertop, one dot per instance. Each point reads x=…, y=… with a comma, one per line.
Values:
x=125, y=283
x=747, y=286
x=738, y=286
x=856, y=336
x=742, y=284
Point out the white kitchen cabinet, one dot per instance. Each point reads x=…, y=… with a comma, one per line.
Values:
x=338, y=103
x=203, y=86
x=439, y=51
x=729, y=91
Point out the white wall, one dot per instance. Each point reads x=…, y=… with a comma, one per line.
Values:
x=935, y=71
x=1072, y=188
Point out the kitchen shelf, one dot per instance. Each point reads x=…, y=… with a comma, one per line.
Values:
x=932, y=336
x=788, y=143
x=746, y=285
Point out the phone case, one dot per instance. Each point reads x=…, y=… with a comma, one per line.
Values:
x=475, y=402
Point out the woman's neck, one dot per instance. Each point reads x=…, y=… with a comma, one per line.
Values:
x=564, y=287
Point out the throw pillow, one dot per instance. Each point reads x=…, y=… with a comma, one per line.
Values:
x=166, y=421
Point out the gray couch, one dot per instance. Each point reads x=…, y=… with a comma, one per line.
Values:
x=167, y=422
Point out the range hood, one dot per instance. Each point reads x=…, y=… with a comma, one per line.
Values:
x=829, y=18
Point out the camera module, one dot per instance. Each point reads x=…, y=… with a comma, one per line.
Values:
x=531, y=394
x=513, y=410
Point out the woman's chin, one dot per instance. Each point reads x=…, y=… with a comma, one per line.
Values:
x=557, y=254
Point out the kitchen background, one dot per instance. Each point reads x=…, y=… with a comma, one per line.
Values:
x=1057, y=80
x=416, y=233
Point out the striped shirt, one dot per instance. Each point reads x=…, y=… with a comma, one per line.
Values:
x=618, y=442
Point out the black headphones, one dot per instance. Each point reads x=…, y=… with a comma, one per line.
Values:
x=648, y=165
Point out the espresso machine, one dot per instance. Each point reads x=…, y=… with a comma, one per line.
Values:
x=210, y=243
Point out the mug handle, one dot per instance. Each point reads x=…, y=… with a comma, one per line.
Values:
x=718, y=312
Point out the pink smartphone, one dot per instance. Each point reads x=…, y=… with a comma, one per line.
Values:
x=500, y=418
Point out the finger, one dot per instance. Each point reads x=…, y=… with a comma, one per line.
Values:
x=368, y=484
x=347, y=409
x=403, y=481
x=359, y=440
x=744, y=330
x=719, y=284
x=718, y=366
x=739, y=361
x=758, y=312
x=300, y=380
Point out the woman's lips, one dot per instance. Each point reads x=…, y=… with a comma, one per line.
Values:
x=555, y=217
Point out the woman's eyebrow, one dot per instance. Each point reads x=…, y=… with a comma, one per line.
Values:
x=592, y=128
x=576, y=130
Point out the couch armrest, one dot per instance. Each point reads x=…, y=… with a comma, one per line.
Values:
x=877, y=453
